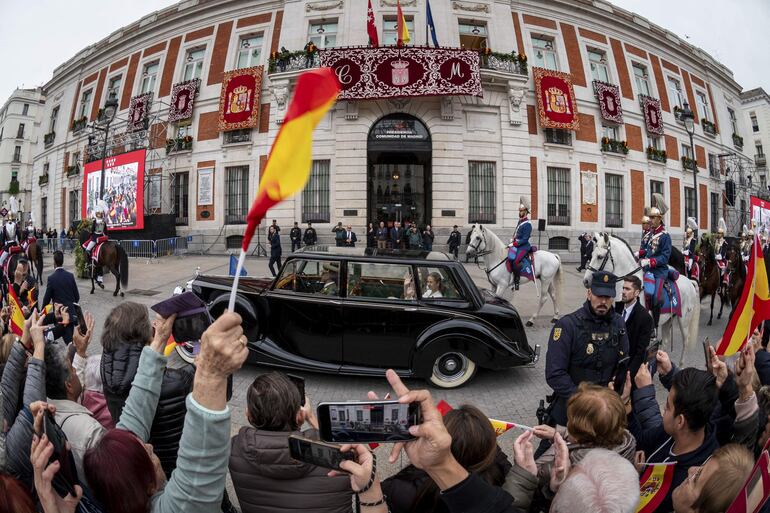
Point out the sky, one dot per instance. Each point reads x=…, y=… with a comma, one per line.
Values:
x=36, y=36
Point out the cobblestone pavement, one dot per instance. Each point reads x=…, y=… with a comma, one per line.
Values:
x=507, y=395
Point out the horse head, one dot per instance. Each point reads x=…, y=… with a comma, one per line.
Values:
x=478, y=241
x=600, y=252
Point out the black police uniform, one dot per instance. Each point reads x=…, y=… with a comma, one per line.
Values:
x=583, y=346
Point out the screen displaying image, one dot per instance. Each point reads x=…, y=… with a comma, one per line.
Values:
x=760, y=214
x=369, y=422
x=123, y=190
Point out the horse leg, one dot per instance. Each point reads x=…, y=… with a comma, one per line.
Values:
x=711, y=318
x=680, y=322
x=116, y=273
x=93, y=287
x=552, y=295
x=541, y=298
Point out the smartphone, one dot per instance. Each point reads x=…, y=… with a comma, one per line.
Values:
x=706, y=353
x=318, y=453
x=67, y=472
x=652, y=356
x=300, y=384
x=367, y=421
x=81, y=320
x=621, y=369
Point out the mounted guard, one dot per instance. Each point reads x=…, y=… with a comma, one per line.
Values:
x=720, y=249
x=11, y=234
x=655, y=265
x=520, y=247
x=688, y=250
x=645, y=234
x=98, y=233
x=747, y=236
x=28, y=235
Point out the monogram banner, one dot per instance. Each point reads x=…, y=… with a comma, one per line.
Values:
x=652, y=119
x=182, y=99
x=138, y=111
x=239, y=99
x=556, y=104
x=609, y=101
x=390, y=72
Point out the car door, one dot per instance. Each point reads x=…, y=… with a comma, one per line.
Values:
x=305, y=312
x=380, y=315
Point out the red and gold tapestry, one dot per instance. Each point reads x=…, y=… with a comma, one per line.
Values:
x=392, y=72
x=138, y=111
x=609, y=101
x=556, y=105
x=653, y=120
x=239, y=99
x=182, y=98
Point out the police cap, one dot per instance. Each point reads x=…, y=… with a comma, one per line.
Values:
x=603, y=284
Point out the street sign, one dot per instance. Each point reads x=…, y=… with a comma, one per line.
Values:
x=4, y=212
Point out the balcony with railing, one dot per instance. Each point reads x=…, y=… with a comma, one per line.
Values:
x=79, y=124
x=43, y=180
x=73, y=170
x=709, y=128
x=689, y=164
x=738, y=141
x=678, y=111
x=49, y=138
x=237, y=136
x=13, y=187
x=179, y=144
x=656, y=155
x=558, y=136
x=760, y=160
x=613, y=146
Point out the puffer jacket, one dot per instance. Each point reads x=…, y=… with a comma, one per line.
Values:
x=118, y=371
x=268, y=480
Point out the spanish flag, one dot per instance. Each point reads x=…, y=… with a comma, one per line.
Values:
x=501, y=426
x=753, y=306
x=653, y=486
x=17, y=316
x=402, y=37
x=170, y=346
x=756, y=491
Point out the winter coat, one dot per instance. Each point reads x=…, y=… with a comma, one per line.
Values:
x=118, y=371
x=97, y=405
x=268, y=480
x=81, y=427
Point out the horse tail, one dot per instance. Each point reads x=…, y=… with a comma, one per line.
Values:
x=123, y=265
x=558, y=280
x=39, y=264
x=692, y=329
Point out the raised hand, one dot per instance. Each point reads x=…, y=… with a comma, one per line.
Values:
x=524, y=453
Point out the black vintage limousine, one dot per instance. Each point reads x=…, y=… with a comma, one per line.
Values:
x=361, y=311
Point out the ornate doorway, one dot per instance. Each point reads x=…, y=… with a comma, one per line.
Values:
x=399, y=171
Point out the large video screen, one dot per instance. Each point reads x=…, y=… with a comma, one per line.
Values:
x=760, y=212
x=123, y=190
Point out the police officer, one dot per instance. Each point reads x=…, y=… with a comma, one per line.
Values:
x=585, y=345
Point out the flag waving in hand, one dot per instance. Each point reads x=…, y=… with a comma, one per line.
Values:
x=288, y=165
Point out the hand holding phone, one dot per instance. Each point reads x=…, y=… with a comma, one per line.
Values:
x=318, y=453
x=367, y=421
x=621, y=369
x=60, y=453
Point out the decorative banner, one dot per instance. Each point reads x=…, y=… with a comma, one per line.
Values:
x=182, y=99
x=239, y=99
x=652, y=117
x=138, y=111
x=556, y=104
x=609, y=101
x=390, y=72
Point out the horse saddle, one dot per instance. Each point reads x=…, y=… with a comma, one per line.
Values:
x=15, y=249
x=99, y=243
x=666, y=292
x=526, y=265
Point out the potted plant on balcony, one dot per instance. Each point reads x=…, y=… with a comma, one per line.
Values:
x=738, y=140
x=656, y=155
x=43, y=179
x=79, y=124
x=49, y=138
x=187, y=142
x=688, y=163
x=708, y=127
x=73, y=170
x=13, y=187
x=678, y=113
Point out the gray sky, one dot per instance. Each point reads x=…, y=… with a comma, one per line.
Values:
x=38, y=35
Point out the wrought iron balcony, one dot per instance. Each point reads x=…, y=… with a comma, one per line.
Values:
x=688, y=163
x=237, y=136
x=613, y=146
x=283, y=62
x=656, y=155
x=79, y=124
x=557, y=136
x=738, y=141
x=507, y=63
x=760, y=159
x=43, y=179
x=73, y=170
x=709, y=128
x=179, y=144
x=49, y=138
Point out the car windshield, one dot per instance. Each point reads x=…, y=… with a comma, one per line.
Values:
x=381, y=281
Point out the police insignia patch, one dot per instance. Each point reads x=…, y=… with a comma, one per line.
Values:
x=606, y=278
x=590, y=349
x=556, y=334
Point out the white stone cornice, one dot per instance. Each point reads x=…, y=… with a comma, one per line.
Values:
x=324, y=6
x=470, y=7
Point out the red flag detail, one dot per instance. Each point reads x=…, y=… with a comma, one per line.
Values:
x=371, y=27
x=756, y=491
x=443, y=407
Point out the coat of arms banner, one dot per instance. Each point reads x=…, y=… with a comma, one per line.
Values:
x=239, y=99
x=556, y=105
x=609, y=101
x=653, y=120
x=182, y=99
x=391, y=72
x=138, y=111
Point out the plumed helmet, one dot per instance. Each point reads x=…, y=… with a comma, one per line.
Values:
x=645, y=219
x=722, y=226
x=524, y=203
x=744, y=231
x=692, y=225
x=659, y=205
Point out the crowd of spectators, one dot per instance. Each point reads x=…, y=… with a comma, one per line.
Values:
x=147, y=433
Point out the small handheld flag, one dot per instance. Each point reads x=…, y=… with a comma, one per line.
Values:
x=234, y=267
x=170, y=346
x=17, y=316
x=288, y=165
x=653, y=487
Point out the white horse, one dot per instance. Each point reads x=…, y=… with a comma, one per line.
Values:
x=613, y=254
x=547, y=269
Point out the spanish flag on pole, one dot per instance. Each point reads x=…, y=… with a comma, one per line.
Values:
x=288, y=166
x=653, y=486
x=17, y=316
x=753, y=306
x=402, y=37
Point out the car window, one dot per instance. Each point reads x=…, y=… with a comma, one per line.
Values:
x=381, y=281
x=310, y=277
x=438, y=283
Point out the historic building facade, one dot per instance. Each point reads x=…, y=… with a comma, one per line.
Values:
x=432, y=154
x=756, y=113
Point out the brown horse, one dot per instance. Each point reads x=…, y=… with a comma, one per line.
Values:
x=711, y=278
x=114, y=258
x=737, y=270
x=35, y=255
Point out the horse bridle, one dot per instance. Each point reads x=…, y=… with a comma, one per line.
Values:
x=609, y=258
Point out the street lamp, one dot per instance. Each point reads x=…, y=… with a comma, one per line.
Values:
x=689, y=125
x=108, y=115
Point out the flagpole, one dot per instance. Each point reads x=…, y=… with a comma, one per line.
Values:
x=234, y=291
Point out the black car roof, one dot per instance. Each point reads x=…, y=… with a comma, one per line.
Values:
x=388, y=254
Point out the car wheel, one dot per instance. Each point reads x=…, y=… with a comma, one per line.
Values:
x=187, y=351
x=452, y=369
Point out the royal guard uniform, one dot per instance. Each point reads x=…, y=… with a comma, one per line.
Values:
x=98, y=232
x=645, y=234
x=688, y=250
x=655, y=261
x=520, y=247
x=11, y=236
x=748, y=240
x=28, y=235
x=720, y=249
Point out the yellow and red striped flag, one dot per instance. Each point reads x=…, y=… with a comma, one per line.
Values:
x=402, y=37
x=753, y=306
x=17, y=316
x=288, y=166
x=756, y=491
x=170, y=346
x=653, y=486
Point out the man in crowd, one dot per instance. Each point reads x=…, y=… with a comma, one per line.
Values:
x=61, y=287
x=350, y=237
x=397, y=236
x=638, y=322
x=688, y=249
x=310, y=237
x=454, y=241
x=586, y=250
x=339, y=234
x=274, y=238
x=296, y=237
x=382, y=236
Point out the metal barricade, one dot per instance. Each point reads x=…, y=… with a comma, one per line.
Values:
x=138, y=248
x=173, y=246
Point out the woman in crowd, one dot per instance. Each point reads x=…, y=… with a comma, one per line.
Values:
x=474, y=445
x=371, y=236
x=434, y=288
x=414, y=238
x=265, y=477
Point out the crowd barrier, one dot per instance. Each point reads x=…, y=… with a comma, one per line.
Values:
x=146, y=249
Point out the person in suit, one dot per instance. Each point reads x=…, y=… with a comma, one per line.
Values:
x=61, y=287
x=371, y=236
x=275, y=249
x=350, y=237
x=397, y=236
x=759, y=340
x=638, y=322
x=382, y=236
x=454, y=241
x=310, y=236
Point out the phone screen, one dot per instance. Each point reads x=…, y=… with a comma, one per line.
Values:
x=78, y=313
x=67, y=473
x=367, y=422
x=317, y=453
x=300, y=384
x=706, y=355
x=620, y=375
